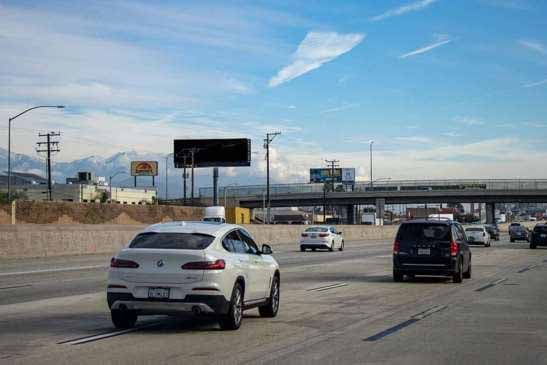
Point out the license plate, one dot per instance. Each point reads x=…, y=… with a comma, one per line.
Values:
x=158, y=293
x=313, y=236
x=424, y=251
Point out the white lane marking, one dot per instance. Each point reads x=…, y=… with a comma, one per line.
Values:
x=45, y=271
x=499, y=281
x=332, y=287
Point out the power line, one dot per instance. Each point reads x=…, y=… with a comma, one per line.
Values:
x=51, y=147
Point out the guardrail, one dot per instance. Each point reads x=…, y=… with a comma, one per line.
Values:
x=390, y=186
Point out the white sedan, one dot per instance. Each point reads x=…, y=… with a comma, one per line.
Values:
x=321, y=237
x=478, y=235
x=202, y=268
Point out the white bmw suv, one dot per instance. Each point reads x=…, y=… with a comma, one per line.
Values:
x=198, y=267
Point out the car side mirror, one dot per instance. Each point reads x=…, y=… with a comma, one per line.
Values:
x=266, y=250
x=339, y=233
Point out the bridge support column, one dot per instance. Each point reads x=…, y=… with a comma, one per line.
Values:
x=380, y=208
x=490, y=213
x=350, y=213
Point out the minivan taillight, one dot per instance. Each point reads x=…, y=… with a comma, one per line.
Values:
x=123, y=264
x=204, y=265
x=454, y=248
x=396, y=247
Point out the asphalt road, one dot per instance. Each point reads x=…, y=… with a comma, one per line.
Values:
x=336, y=307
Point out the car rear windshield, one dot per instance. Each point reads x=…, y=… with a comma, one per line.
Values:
x=473, y=229
x=172, y=241
x=317, y=229
x=542, y=229
x=423, y=232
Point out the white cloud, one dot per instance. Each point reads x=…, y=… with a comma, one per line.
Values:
x=451, y=134
x=426, y=48
x=535, y=124
x=338, y=108
x=418, y=5
x=537, y=83
x=413, y=139
x=316, y=49
x=470, y=121
x=534, y=46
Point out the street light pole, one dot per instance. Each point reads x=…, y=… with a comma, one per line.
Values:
x=9, y=139
x=269, y=138
x=371, y=142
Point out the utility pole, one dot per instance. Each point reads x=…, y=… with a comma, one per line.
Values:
x=51, y=146
x=192, y=192
x=269, y=138
x=332, y=164
x=371, y=142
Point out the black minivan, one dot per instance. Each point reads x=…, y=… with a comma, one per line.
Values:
x=431, y=247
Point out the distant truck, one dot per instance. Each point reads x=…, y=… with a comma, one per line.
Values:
x=215, y=214
x=368, y=218
x=442, y=216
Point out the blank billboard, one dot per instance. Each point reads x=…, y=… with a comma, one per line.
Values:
x=212, y=152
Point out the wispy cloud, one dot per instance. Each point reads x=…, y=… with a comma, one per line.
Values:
x=534, y=45
x=316, y=49
x=451, y=134
x=413, y=139
x=442, y=40
x=339, y=108
x=418, y=5
x=470, y=121
x=535, y=124
x=537, y=83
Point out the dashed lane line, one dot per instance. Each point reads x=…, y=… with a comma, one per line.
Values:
x=61, y=269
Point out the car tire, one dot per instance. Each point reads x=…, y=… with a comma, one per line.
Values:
x=467, y=274
x=457, y=277
x=123, y=319
x=302, y=249
x=232, y=320
x=533, y=246
x=270, y=310
x=512, y=240
x=331, y=248
x=397, y=276
x=313, y=249
x=341, y=247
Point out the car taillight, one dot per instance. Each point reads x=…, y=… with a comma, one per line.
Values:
x=204, y=265
x=304, y=235
x=123, y=264
x=454, y=248
x=323, y=234
x=396, y=247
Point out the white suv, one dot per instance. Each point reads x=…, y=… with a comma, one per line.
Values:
x=204, y=268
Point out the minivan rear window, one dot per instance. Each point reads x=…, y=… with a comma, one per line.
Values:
x=423, y=232
x=172, y=241
x=473, y=229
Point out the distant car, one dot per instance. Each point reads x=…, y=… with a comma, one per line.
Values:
x=478, y=235
x=494, y=231
x=193, y=267
x=533, y=219
x=518, y=233
x=539, y=236
x=431, y=247
x=321, y=237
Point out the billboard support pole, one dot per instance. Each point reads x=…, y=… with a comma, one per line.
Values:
x=184, y=183
x=153, y=181
x=192, y=192
x=135, y=181
x=215, y=186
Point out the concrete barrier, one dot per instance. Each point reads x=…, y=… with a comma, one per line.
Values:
x=42, y=240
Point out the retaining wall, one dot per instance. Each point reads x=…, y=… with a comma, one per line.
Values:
x=36, y=240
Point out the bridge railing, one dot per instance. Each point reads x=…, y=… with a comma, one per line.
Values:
x=390, y=186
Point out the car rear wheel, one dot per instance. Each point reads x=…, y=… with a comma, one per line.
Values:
x=270, y=309
x=341, y=247
x=232, y=320
x=533, y=246
x=397, y=276
x=302, y=249
x=512, y=240
x=467, y=274
x=123, y=319
x=457, y=277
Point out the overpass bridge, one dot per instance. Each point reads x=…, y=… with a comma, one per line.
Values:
x=485, y=191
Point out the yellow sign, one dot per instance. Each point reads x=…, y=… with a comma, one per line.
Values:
x=144, y=168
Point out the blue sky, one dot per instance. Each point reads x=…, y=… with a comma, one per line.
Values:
x=445, y=88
